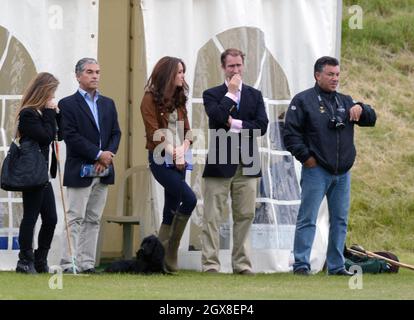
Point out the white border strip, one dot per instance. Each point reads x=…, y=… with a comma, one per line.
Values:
x=218, y=44
x=259, y=77
x=279, y=202
x=6, y=50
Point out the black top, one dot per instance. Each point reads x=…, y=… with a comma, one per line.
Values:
x=39, y=127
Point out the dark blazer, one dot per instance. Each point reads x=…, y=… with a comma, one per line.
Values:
x=253, y=114
x=82, y=136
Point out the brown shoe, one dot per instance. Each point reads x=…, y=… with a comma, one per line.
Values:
x=247, y=272
x=211, y=271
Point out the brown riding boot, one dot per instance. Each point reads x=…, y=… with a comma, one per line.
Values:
x=177, y=229
x=164, y=234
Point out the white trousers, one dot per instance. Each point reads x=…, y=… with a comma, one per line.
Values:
x=85, y=207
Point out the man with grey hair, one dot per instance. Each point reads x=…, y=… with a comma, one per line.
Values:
x=92, y=135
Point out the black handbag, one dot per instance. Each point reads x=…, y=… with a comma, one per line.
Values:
x=24, y=168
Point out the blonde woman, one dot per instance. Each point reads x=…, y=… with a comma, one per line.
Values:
x=37, y=121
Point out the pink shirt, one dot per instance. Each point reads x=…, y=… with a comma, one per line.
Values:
x=236, y=124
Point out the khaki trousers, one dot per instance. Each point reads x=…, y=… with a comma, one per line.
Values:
x=242, y=190
x=85, y=207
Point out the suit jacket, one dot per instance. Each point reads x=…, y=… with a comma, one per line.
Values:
x=253, y=114
x=82, y=136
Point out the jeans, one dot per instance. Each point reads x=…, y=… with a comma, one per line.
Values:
x=178, y=196
x=316, y=182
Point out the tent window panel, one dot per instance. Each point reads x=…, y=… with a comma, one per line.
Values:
x=199, y=126
x=285, y=185
x=270, y=236
x=263, y=183
x=276, y=125
x=10, y=120
x=4, y=209
x=286, y=215
x=17, y=209
x=197, y=179
x=264, y=213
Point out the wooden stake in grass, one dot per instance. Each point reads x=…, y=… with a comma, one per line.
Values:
x=64, y=207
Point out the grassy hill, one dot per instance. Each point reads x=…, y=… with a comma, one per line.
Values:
x=377, y=66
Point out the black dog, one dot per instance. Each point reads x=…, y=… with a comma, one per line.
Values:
x=149, y=259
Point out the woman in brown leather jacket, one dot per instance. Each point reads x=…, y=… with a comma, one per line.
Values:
x=168, y=136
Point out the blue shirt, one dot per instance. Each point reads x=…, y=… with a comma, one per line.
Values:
x=93, y=106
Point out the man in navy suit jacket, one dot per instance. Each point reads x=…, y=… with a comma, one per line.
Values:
x=92, y=135
x=237, y=117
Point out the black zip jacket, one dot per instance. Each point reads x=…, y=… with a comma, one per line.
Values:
x=307, y=131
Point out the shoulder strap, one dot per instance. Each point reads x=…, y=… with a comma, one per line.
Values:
x=53, y=165
x=15, y=132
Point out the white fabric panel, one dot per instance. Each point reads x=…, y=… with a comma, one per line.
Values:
x=297, y=32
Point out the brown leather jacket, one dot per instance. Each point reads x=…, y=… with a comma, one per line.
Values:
x=156, y=118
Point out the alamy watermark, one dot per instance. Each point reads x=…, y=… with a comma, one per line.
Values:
x=356, y=281
x=56, y=280
x=225, y=147
x=356, y=20
x=55, y=21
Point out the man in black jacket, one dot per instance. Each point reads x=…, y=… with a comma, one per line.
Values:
x=319, y=132
x=236, y=117
x=92, y=135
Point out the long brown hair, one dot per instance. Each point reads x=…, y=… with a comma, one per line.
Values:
x=38, y=92
x=162, y=84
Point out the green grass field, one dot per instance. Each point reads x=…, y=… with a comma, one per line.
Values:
x=190, y=285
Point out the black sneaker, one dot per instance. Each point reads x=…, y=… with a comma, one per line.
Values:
x=301, y=272
x=211, y=271
x=246, y=272
x=342, y=272
x=70, y=270
x=89, y=271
